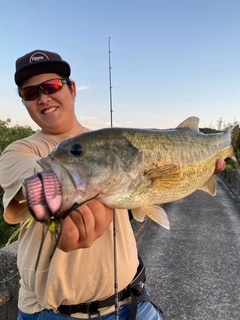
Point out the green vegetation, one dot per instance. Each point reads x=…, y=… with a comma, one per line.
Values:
x=230, y=164
x=9, y=134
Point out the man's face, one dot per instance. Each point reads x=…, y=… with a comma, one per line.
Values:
x=54, y=113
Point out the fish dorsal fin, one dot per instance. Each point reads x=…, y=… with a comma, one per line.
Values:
x=210, y=186
x=163, y=176
x=154, y=212
x=189, y=123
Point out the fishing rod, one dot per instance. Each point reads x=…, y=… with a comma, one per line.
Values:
x=110, y=79
x=114, y=212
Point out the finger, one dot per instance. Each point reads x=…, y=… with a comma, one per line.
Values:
x=103, y=216
x=78, y=230
x=84, y=218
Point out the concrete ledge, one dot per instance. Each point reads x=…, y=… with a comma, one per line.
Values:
x=9, y=282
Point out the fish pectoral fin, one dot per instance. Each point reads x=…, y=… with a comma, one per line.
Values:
x=210, y=186
x=165, y=176
x=154, y=212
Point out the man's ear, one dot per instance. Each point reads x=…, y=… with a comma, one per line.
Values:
x=74, y=89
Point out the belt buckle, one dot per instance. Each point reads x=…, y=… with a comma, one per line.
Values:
x=140, y=286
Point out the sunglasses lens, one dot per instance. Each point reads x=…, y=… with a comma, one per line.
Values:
x=48, y=87
x=28, y=93
x=51, y=86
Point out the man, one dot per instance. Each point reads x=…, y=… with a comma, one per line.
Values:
x=78, y=282
x=81, y=270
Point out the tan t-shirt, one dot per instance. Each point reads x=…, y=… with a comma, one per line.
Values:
x=79, y=276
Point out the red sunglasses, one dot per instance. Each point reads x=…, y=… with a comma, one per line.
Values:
x=47, y=87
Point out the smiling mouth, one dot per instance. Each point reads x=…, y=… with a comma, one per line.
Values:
x=49, y=110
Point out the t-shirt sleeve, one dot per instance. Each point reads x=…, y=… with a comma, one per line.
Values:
x=18, y=161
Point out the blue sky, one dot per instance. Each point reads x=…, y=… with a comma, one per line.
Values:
x=170, y=59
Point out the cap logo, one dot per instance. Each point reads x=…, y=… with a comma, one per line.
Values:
x=37, y=57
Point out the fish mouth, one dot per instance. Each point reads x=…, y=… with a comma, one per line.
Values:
x=65, y=173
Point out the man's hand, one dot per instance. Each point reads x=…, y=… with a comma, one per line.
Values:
x=220, y=165
x=77, y=234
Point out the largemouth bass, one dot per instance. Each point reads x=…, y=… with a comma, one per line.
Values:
x=134, y=169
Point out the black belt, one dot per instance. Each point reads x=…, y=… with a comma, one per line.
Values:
x=135, y=290
x=91, y=308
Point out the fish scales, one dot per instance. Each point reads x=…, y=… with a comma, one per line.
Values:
x=194, y=153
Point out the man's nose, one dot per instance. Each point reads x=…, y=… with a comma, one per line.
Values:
x=42, y=96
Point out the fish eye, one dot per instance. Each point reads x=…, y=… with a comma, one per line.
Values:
x=76, y=149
